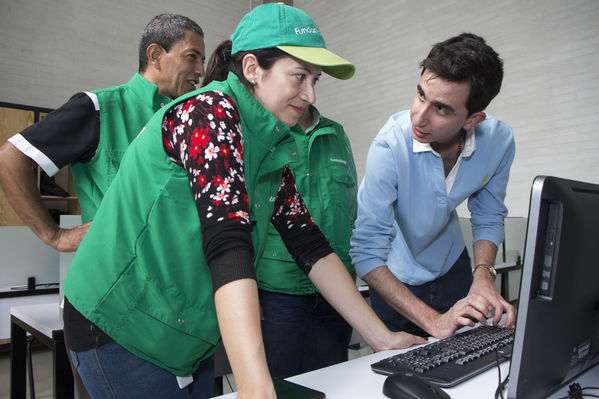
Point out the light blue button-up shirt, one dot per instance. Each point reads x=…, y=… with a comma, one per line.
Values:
x=407, y=217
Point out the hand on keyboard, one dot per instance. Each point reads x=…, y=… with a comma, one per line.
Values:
x=455, y=359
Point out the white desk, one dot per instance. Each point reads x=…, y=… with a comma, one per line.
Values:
x=44, y=322
x=354, y=379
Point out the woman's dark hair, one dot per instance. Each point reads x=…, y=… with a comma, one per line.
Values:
x=468, y=58
x=221, y=62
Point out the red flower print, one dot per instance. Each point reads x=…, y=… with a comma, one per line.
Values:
x=219, y=111
x=199, y=140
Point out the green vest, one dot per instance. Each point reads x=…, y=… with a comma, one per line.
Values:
x=140, y=273
x=124, y=110
x=325, y=174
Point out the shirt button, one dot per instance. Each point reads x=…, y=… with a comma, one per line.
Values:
x=277, y=128
x=180, y=320
x=161, y=105
x=293, y=154
x=256, y=205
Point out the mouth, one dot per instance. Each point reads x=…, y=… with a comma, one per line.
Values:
x=418, y=134
x=299, y=110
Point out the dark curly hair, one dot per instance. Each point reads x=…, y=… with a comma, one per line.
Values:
x=468, y=58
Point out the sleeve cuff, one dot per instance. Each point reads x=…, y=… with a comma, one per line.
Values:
x=231, y=265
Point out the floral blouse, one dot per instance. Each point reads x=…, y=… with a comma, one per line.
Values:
x=203, y=135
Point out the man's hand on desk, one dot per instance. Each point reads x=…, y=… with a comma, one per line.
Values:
x=483, y=302
x=493, y=304
x=464, y=313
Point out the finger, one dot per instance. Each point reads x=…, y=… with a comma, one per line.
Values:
x=511, y=316
x=499, y=312
x=500, y=306
x=465, y=321
x=482, y=305
x=475, y=314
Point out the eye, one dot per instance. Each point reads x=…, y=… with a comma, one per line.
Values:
x=420, y=93
x=440, y=109
x=300, y=76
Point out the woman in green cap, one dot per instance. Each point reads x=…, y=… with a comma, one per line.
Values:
x=167, y=266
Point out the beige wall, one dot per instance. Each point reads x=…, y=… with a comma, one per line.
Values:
x=52, y=49
x=550, y=93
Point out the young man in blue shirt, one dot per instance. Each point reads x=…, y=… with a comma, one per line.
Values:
x=422, y=165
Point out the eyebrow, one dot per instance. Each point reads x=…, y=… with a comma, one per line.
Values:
x=309, y=71
x=438, y=104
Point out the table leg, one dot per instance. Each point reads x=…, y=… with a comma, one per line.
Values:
x=63, y=375
x=17, y=362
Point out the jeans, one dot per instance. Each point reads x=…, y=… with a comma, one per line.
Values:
x=302, y=333
x=110, y=371
x=440, y=294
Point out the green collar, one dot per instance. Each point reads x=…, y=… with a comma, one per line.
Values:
x=144, y=90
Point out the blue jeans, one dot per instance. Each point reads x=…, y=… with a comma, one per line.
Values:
x=110, y=371
x=302, y=333
x=440, y=294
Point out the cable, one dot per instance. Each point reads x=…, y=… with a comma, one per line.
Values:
x=500, y=384
x=576, y=392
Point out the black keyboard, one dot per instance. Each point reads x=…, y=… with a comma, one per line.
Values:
x=452, y=360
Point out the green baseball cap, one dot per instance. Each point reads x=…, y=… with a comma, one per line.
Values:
x=292, y=31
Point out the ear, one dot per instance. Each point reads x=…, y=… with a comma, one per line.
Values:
x=251, y=68
x=154, y=52
x=474, y=120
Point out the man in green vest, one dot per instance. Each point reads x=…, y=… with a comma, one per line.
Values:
x=92, y=130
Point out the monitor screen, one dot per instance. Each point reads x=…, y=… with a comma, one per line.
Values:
x=557, y=325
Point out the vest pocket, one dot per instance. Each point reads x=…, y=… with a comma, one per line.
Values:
x=170, y=330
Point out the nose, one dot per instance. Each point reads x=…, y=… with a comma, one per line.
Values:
x=199, y=69
x=418, y=113
x=309, y=94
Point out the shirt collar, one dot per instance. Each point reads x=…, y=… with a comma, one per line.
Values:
x=468, y=150
x=315, y=119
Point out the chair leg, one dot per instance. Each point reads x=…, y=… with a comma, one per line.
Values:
x=30, y=368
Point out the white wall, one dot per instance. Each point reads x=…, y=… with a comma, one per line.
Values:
x=52, y=49
x=23, y=255
x=550, y=93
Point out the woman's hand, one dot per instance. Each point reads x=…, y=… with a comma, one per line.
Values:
x=400, y=340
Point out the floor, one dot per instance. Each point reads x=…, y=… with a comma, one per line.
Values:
x=42, y=371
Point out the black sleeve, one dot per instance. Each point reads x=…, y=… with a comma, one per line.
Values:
x=68, y=134
x=302, y=237
x=203, y=135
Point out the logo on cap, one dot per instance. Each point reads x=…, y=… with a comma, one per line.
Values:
x=303, y=31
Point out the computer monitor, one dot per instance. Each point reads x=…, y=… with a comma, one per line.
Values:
x=557, y=325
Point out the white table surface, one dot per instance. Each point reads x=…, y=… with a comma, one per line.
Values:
x=355, y=379
x=43, y=317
